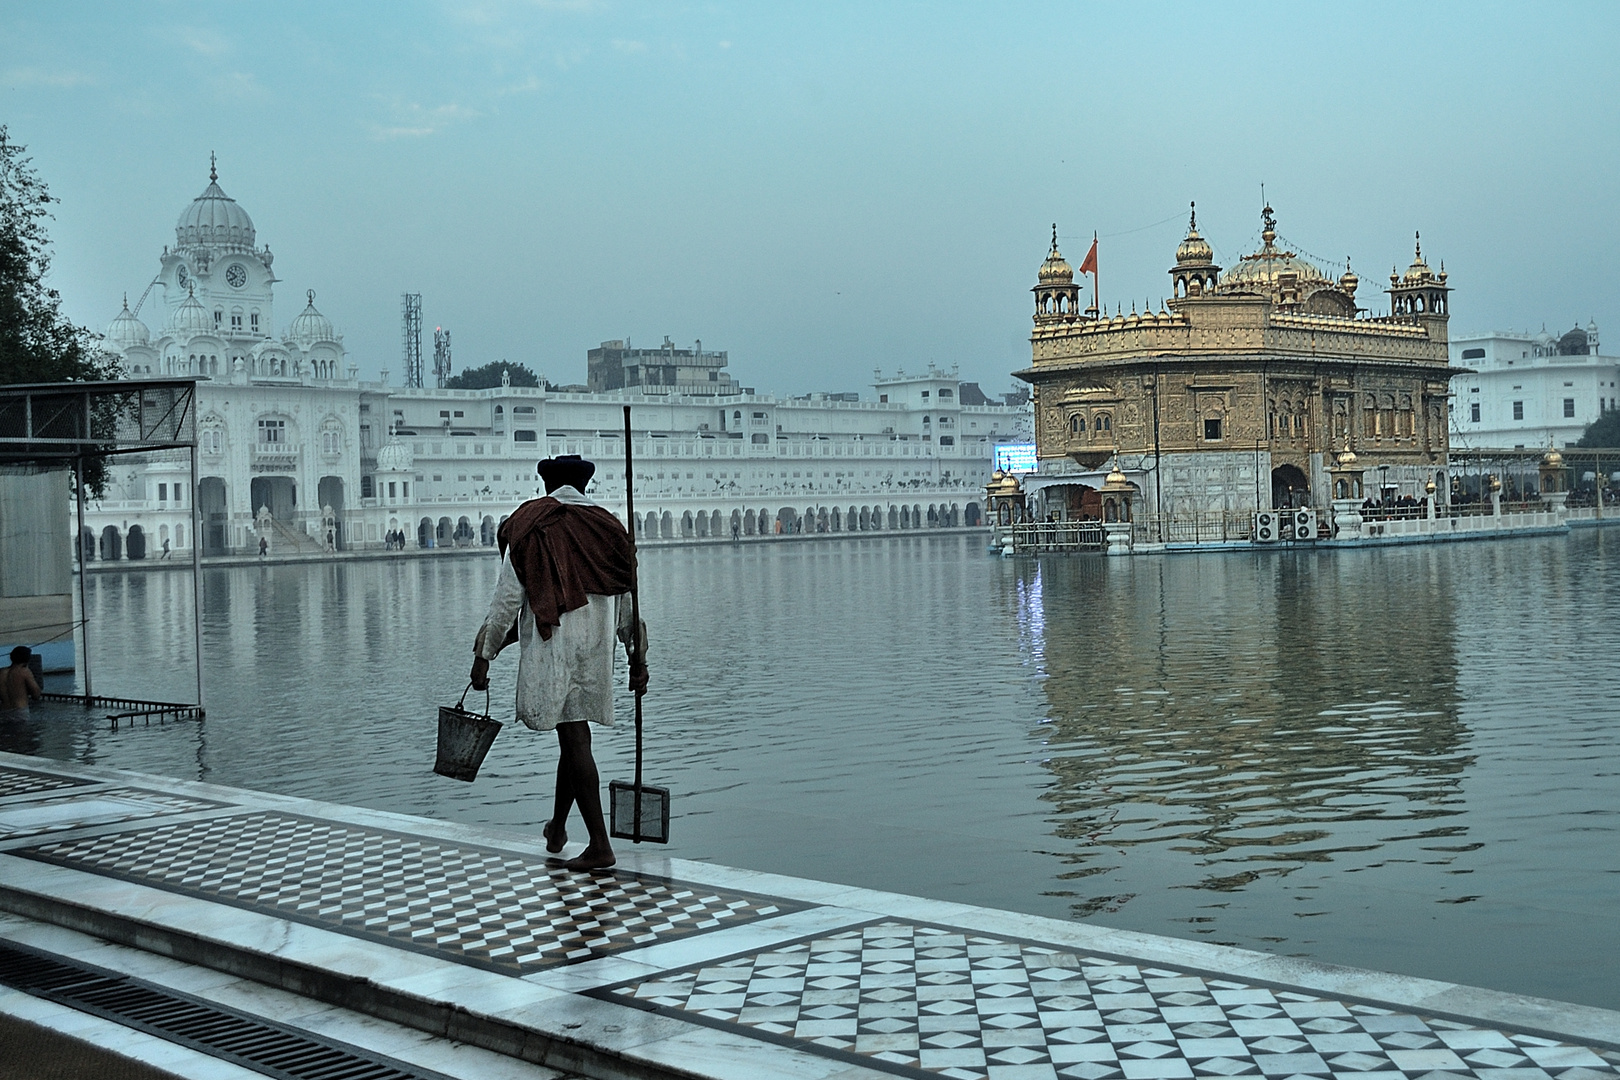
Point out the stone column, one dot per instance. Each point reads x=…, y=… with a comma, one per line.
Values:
x=1347, y=519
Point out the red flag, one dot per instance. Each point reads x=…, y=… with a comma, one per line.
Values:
x=1088, y=265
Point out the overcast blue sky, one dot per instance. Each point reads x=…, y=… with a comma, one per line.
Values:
x=820, y=189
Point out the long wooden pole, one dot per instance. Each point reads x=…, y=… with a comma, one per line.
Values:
x=635, y=599
x=84, y=572
x=196, y=578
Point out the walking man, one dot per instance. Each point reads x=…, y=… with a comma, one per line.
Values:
x=567, y=566
x=18, y=688
x=165, y=554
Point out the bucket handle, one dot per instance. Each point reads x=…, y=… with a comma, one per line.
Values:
x=464, y=698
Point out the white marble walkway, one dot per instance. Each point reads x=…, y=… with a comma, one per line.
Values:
x=671, y=968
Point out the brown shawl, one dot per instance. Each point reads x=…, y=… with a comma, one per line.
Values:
x=564, y=554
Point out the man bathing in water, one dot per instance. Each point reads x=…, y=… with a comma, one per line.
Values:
x=18, y=687
x=563, y=594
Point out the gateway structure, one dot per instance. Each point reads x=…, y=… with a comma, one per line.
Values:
x=296, y=450
x=1236, y=395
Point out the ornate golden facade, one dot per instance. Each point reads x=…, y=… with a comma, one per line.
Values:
x=1264, y=369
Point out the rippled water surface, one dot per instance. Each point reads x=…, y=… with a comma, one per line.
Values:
x=1405, y=759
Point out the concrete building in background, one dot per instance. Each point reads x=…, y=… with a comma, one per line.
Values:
x=1526, y=390
x=295, y=449
x=615, y=365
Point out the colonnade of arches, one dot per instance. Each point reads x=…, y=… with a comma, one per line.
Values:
x=717, y=524
x=463, y=531
x=135, y=543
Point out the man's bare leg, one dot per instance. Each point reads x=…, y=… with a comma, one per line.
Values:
x=556, y=831
x=574, y=738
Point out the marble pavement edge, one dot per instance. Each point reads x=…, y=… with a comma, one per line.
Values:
x=1476, y=1005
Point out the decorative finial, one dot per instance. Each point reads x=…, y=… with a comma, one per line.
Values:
x=1268, y=222
x=1192, y=221
x=191, y=289
x=1417, y=244
x=213, y=169
x=126, y=301
x=1054, y=237
x=311, y=295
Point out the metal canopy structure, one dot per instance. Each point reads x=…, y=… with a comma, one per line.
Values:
x=66, y=425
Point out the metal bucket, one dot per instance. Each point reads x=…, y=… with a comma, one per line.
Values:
x=464, y=738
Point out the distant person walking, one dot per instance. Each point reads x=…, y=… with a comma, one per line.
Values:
x=567, y=567
x=264, y=547
x=18, y=687
x=165, y=554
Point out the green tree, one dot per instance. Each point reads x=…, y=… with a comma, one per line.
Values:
x=37, y=342
x=1602, y=432
x=482, y=378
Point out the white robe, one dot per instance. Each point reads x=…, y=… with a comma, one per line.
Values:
x=569, y=676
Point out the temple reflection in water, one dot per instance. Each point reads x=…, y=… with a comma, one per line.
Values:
x=1216, y=713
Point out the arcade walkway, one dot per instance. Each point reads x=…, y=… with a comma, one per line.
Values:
x=431, y=940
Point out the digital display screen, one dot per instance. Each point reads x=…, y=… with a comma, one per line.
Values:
x=1016, y=457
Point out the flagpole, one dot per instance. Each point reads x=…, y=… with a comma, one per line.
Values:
x=1096, y=288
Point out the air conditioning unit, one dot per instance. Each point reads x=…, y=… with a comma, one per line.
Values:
x=1265, y=527
x=1305, y=525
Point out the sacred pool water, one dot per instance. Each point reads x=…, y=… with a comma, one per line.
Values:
x=1404, y=759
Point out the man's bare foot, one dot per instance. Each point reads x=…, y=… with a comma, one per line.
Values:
x=556, y=836
x=592, y=858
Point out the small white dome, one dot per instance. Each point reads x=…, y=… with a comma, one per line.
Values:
x=126, y=330
x=214, y=219
x=310, y=326
x=190, y=317
x=395, y=456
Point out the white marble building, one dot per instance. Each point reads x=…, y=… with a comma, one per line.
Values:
x=295, y=449
x=1530, y=390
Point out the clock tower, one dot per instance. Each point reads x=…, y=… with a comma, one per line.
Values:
x=215, y=261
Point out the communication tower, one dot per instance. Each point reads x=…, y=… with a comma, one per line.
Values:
x=441, y=355
x=410, y=317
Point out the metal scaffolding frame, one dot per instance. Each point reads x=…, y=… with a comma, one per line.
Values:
x=66, y=425
x=410, y=325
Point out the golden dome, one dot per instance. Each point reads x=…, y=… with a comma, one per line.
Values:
x=1345, y=458
x=1429, y=487
x=1116, y=480
x=1260, y=271
x=1552, y=459
x=1348, y=281
x=1194, y=248
x=1002, y=483
x=1055, y=271
x=1419, y=271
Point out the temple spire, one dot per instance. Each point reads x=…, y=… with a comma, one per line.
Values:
x=213, y=168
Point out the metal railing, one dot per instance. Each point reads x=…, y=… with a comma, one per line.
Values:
x=1208, y=528
x=1033, y=537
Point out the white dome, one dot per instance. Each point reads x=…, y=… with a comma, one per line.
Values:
x=126, y=330
x=395, y=456
x=311, y=326
x=190, y=317
x=214, y=219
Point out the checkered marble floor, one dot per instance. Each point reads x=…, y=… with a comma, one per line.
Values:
x=26, y=782
x=463, y=902
x=22, y=817
x=923, y=1000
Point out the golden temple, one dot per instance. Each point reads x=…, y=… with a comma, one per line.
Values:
x=1235, y=395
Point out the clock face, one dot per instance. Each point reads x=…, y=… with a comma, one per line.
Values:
x=236, y=275
x=180, y=275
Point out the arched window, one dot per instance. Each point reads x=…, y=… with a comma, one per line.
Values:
x=1104, y=422
x=1074, y=424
